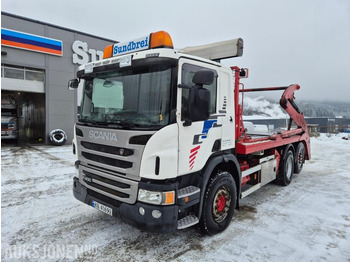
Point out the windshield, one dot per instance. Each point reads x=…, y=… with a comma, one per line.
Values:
x=135, y=98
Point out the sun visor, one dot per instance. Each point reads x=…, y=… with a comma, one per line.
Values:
x=217, y=51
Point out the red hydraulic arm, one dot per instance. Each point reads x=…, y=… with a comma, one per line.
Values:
x=287, y=103
x=291, y=108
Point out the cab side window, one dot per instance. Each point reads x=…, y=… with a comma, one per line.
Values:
x=188, y=72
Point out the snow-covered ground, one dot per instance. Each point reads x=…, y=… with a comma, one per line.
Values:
x=307, y=221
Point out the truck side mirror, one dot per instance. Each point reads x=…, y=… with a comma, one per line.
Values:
x=73, y=84
x=243, y=73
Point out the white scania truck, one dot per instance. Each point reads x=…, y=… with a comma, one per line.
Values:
x=160, y=140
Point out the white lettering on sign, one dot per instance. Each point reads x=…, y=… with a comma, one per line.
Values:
x=83, y=55
x=131, y=46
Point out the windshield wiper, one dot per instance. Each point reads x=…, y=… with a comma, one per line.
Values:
x=88, y=121
x=121, y=122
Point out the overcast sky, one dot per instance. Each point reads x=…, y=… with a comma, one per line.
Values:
x=300, y=41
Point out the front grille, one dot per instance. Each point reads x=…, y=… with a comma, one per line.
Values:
x=115, y=187
x=107, y=170
x=111, y=167
x=104, y=198
x=108, y=190
x=106, y=180
x=107, y=149
x=107, y=160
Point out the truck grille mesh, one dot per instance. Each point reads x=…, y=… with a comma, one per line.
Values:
x=108, y=149
x=115, y=187
x=107, y=160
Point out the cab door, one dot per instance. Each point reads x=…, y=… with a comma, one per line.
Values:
x=197, y=139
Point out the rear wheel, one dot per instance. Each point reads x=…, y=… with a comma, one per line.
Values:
x=219, y=204
x=286, y=169
x=299, y=158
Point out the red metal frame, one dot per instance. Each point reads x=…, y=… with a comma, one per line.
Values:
x=247, y=145
x=238, y=108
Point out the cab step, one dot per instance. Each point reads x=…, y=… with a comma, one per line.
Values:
x=188, y=196
x=188, y=191
x=187, y=222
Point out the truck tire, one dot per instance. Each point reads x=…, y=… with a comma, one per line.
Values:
x=285, y=170
x=299, y=158
x=58, y=137
x=219, y=203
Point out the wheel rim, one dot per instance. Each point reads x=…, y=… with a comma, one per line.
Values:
x=301, y=157
x=289, y=167
x=221, y=204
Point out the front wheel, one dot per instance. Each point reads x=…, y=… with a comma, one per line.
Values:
x=219, y=204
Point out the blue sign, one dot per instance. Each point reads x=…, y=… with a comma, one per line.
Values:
x=131, y=46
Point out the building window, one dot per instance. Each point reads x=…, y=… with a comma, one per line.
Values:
x=23, y=73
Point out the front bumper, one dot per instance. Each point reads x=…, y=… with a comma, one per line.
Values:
x=9, y=134
x=130, y=213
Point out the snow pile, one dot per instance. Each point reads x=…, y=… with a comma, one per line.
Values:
x=259, y=107
x=336, y=139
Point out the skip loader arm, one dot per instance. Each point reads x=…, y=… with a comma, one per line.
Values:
x=291, y=108
x=287, y=103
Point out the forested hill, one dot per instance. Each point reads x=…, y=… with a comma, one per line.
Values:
x=265, y=107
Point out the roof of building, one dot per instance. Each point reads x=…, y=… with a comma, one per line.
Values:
x=56, y=26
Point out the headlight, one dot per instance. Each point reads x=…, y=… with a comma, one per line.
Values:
x=156, y=198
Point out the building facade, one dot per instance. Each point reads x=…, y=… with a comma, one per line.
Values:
x=37, y=61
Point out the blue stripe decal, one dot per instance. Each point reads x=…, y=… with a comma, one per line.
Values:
x=207, y=125
x=5, y=32
x=31, y=42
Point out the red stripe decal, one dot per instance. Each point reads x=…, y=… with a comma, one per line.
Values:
x=195, y=149
x=195, y=153
x=192, y=159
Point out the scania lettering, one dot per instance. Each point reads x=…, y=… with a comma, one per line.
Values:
x=103, y=135
x=160, y=139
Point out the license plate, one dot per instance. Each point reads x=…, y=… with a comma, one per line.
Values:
x=102, y=208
